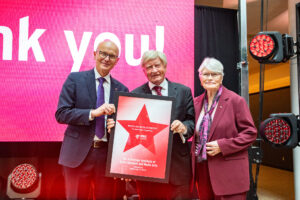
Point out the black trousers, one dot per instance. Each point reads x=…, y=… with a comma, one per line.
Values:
x=88, y=180
x=163, y=191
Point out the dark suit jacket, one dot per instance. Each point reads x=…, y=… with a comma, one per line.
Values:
x=234, y=130
x=78, y=96
x=180, y=170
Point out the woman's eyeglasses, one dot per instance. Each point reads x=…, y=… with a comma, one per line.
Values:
x=207, y=75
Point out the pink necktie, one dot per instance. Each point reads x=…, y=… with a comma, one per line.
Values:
x=158, y=90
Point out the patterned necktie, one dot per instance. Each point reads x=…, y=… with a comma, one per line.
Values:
x=100, y=100
x=158, y=90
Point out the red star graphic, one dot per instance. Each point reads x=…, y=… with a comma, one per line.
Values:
x=141, y=131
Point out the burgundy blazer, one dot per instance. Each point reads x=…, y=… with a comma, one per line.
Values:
x=234, y=130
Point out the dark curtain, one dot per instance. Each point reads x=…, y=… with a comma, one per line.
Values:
x=216, y=35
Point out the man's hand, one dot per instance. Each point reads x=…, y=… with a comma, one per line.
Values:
x=104, y=109
x=110, y=123
x=212, y=148
x=178, y=127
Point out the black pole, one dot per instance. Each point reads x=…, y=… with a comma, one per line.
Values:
x=255, y=152
x=261, y=99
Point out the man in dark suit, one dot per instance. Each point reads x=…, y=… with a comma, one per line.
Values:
x=85, y=100
x=154, y=65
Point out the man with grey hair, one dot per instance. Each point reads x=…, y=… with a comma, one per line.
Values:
x=154, y=65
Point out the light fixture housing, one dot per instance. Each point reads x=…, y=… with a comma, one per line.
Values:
x=24, y=182
x=262, y=46
x=280, y=130
x=268, y=47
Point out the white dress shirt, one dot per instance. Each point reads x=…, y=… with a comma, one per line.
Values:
x=164, y=88
x=106, y=86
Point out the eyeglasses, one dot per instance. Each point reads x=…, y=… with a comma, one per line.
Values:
x=110, y=56
x=213, y=75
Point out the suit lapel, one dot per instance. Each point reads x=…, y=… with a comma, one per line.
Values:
x=146, y=89
x=219, y=112
x=91, y=85
x=113, y=87
x=172, y=90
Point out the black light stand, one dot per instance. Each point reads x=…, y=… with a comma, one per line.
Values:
x=255, y=151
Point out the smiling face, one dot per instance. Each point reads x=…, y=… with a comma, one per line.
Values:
x=106, y=57
x=210, y=80
x=155, y=71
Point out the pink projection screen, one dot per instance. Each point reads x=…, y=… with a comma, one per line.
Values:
x=42, y=41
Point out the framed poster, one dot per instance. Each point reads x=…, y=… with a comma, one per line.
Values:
x=140, y=144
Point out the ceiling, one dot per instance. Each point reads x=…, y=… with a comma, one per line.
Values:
x=275, y=13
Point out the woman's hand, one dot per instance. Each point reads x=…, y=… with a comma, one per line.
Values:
x=212, y=148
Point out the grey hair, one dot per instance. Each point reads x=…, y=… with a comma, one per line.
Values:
x=212, y=64
x=151, y=55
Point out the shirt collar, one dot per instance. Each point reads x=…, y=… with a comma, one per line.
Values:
x=164, y=85
x=97, y=75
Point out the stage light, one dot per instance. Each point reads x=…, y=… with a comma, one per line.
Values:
x=271, y=47
x=24, y=182
x=262, y=46
x=280, y=130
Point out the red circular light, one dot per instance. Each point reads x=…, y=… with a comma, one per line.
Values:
x=277, y=131
x=261, y=46
x=24, y=178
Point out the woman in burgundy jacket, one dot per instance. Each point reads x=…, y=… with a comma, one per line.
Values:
x=224, y=130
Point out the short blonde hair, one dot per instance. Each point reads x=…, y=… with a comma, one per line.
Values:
x=212, y=64
x=151, y=55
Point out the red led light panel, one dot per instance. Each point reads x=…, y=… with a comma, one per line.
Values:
x=277, y=131
x=24, y=178
x=262, y=46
